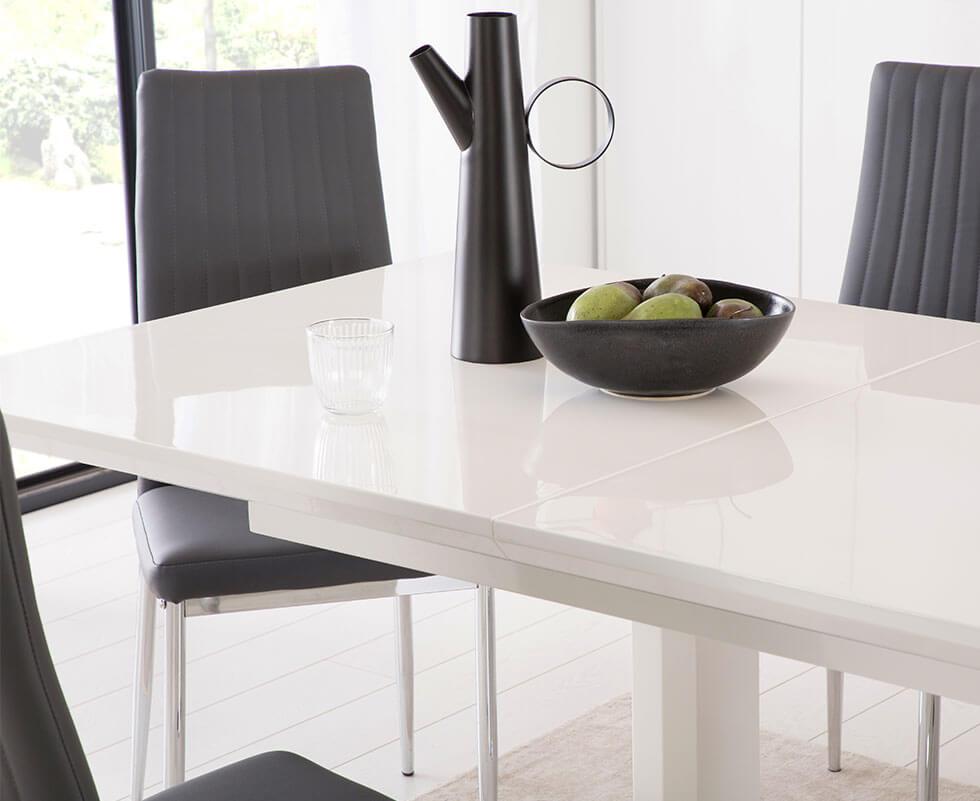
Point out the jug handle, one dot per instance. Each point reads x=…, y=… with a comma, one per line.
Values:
x=610, y=119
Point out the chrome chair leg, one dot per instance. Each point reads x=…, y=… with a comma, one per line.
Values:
x=927, y=769
x=142, y=687
x=835, y=718
x=486, y=701
x=174, y=721
x=406, y=682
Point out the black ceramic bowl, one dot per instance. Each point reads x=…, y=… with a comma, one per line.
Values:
x=659, y=358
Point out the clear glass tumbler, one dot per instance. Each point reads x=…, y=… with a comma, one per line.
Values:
x=350, y=362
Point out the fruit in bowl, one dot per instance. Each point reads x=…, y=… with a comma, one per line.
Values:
x=671, y=306
x=696, y=289
x=670, y=297
x=734, y=309
x=605, y=302
x=664, y=345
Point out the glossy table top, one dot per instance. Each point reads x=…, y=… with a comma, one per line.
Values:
x=832, y=498
x=867, y=498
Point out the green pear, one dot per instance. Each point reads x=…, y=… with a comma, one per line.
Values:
x=734, y=309
x=694, y=288
x=605, y=302
x=672, y=306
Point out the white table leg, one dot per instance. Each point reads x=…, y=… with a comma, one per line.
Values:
x=695, y=718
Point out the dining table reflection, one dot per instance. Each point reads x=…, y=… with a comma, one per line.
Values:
x=594, y=432
x=636, y=507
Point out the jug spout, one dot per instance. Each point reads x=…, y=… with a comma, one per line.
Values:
x=447, y=91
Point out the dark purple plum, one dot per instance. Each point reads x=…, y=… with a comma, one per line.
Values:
x=695, y=289
x=734, y=309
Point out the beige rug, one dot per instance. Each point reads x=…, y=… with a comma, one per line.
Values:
x=589, y=760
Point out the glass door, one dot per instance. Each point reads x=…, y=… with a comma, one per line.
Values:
x=64, y=268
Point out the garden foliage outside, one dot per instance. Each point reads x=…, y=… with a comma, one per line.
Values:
x=58, y=78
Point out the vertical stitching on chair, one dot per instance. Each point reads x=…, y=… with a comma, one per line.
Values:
x=347, y=174
x=959, y=195
x=881, y=181
x=976, y=273
x=138, y=510
x=173, y=200
x=265, y=184
x=908, y=180
x=204, y=191
x=234, y=186
x=292, y=184
x=976, y=303
x=10, y=772
x=318, y=150
x=932, y=189
x=34, y=650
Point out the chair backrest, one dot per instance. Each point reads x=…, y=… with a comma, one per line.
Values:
x=252, y=181
x=41, y=758
x=915, y=243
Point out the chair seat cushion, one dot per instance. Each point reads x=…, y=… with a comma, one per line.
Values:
x=197, y=545
x=274, y=776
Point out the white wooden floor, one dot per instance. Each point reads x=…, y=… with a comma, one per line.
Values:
x=320, y=680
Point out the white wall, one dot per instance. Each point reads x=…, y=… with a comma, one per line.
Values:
x=564, y=126
x=739, y=124
x=742, y=125
x=703, y=176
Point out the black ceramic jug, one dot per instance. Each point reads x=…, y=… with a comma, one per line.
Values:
x=496, y=273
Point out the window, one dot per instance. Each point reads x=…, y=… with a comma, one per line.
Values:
x=64, y=268
x=235, y=34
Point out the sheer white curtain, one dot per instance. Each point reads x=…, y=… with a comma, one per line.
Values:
x=419, y=160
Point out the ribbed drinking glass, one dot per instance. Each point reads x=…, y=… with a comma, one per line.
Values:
x=350, y=362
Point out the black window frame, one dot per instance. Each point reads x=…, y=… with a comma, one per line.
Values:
x=135, y=46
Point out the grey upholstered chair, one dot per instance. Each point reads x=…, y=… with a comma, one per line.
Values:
x=249, y=182
x=915, y=247
x=41, y=758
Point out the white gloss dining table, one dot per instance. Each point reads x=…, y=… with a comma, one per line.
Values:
x=820, y=508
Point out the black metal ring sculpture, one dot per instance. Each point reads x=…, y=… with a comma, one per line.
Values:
x=610, y=119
